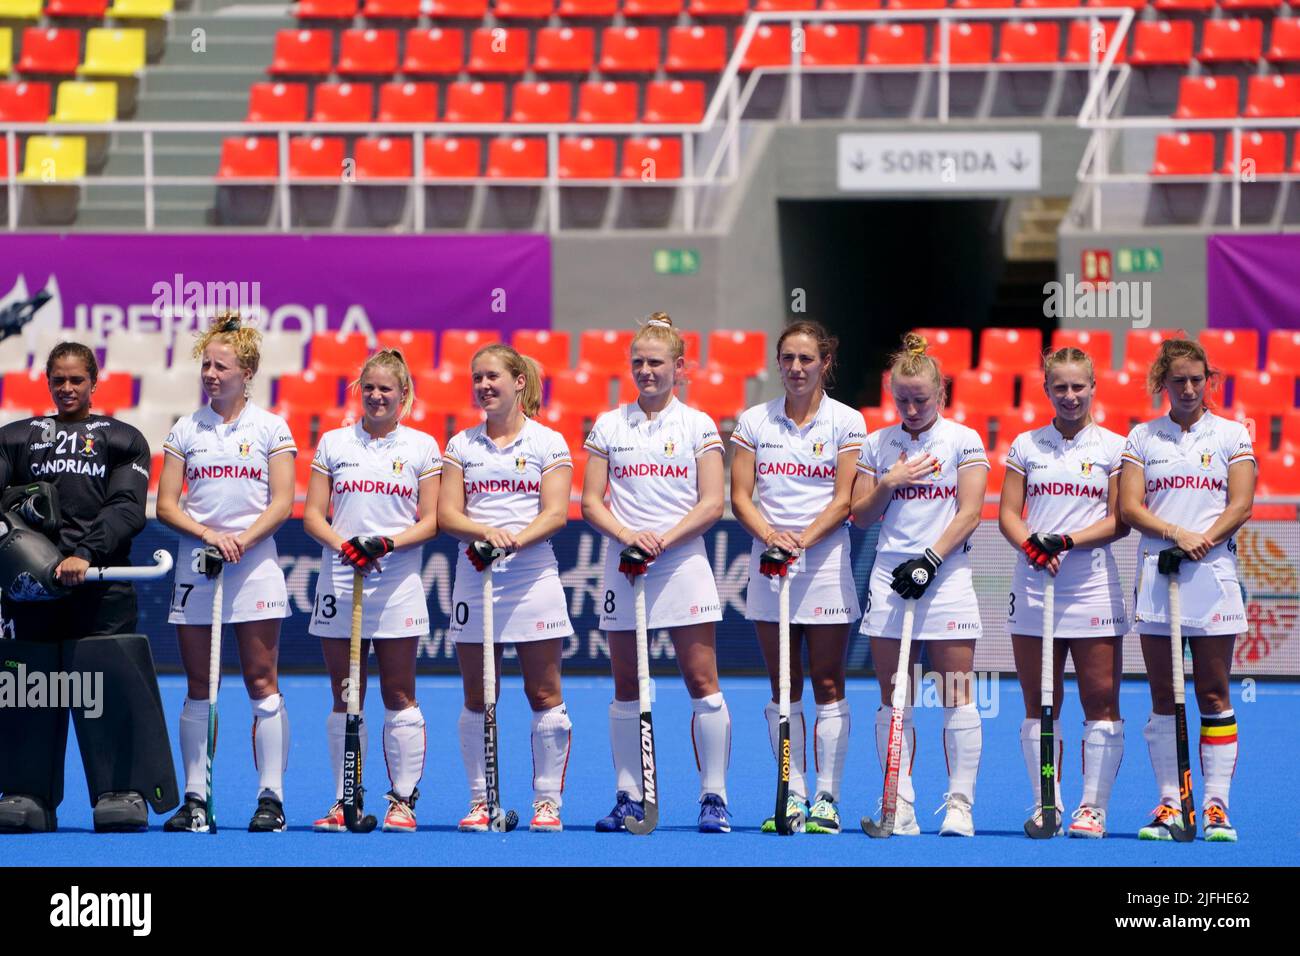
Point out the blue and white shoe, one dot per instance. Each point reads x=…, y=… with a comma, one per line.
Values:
x=796, y=811
x=624, y=807
x=714, y=816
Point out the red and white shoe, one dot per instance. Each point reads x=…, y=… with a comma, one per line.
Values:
x=400, y=817
x=1089, y=822
x=546, y=818
x=476, y=821
x=332, y=822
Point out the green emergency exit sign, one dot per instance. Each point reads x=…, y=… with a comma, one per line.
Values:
x=677, y=262
x=1139, y=259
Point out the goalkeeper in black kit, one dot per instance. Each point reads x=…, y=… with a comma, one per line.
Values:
x=74, y=495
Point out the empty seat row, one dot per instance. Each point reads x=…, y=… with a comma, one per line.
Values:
x=1219, y=97
x=57, y=52
x=1193, y=154
x=76, y=102
x=86, y=9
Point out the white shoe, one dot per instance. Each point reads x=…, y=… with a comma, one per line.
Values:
x=905, y=819
x=958, y=820
x=1089, y=822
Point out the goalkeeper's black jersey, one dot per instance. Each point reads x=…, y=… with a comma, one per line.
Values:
x=101, y=469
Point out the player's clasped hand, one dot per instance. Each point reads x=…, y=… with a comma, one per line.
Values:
x=648, y=542
x=482, y=553
x=775, y=562
x=1044, y=550
x=364, y=551
x=1193, y=544
x=633, y=562
x=208, y=561
x=226, y=542
x=911, y=578
x=71, y=571
x=1169, y=559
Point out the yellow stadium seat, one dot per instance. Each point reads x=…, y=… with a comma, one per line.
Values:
x=139, y=9
x=55, y=159
x=21, y=9
x=113, y=53
x=6, y=51
x=80, y=102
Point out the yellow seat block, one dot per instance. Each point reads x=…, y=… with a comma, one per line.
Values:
x=113, y=53
x=80, y=102
x=21, y=9
x=6, y=51
x=55, y=159
x=139, y=9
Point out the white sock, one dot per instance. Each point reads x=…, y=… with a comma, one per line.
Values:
x=883, y=715
x=1030, y=742
x=798, y=787
x=1163, y=748
x=625, y=742
x=270, y=743
x=552, y=734
x=1218, y=754
x=711, y=738
x=831, y=745
x=194, y=745
x=404, y=748
x=336, y=729
x=470, y=727
x=963, y=739
x=1103, y=751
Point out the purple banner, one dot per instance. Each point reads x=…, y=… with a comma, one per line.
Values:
x=1253, y=282
x=108, y=283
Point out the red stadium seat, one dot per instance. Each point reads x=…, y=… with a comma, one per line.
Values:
x=367, y=53
x=565, y=50
x=738, y=351
x=249, y=157
x=517, y=157
x=467, y=418
x=391, y=9
x=80, y=9
x=1231, y=349
x=629, y=50
x=832, y=44
x=475, y=102
x=666, y=9
x=51, y=51
x=332, y=354
x=882, y=417
x=523, y=9
x=586, y=157
x=914, y=4
x=1184, y=6
x=453, y=157
x=501, y=51
x=1263, y=389
x=25, y=391
x=674, y=101
x=308, y=390
x=1184, y=154
x=1283, y=356
x=1284, y=42
x=25, y=102
x=408, y=103
x=548, y=348
x=1097, y=343
x=718, y=8
x=383, y=157
x=971, y=418
x=981, y=4
x=607, y=102
x=302, y=53
x=1079, y=43
x=458, y=9
x=1030, y=42
x=325, y=9
x=1250, y=4
x=542, y=102
x=1011, y=350
x=434, y=52
x=652, y=158
x=155, y=472
x=771, y=46
x=1279, y=473
x=1235, y=40
x=1276, y=95
x=605, y=351
x=445, y=390
x=1124, y=392
x=952, y=347
x=113, y=392
x=344, y=103
x=895, y=44
x=967, y=43
x=1291, y=429
x=1049, y=4
x=416, y=347
x=1141, y=346
x=570, y=425
x=582, y=390
x=1162, y=43
x=588, y=9
x=1135, y=4
x=696, y=49
x=1207, y=97
x=277, y=103
x=785, y=5
x=718, y=393
x=457, y=347
x=835, y=5
x=984, y=390
x=316, y=157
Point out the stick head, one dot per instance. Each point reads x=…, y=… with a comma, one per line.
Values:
x=365, y=824
x=879, y=831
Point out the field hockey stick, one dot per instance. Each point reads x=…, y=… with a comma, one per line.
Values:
x=1046, y=827
x=353, y=790
x=894, y=762
x=649, y=777
x=134, y=572
x=498, y=821
x=783, y=713
x=214, y=684
x=1186, y=833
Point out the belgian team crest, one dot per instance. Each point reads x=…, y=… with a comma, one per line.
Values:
x=1206, y=458
x=398, y=465
x=1085, y=469
x=670, y=448
x=88, y=446
x=521, y=464
x=817, y=448
x=245, y=449
x=936, y=471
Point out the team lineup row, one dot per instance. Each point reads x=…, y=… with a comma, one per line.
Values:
x=803, y=468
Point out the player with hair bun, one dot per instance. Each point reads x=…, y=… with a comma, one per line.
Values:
x=507, y=484
x=1188, y=485
x=663, y=464
x=1067, y=473
x=925, y=477
x=237, y=460
x=798, y=453
x=380, y=480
